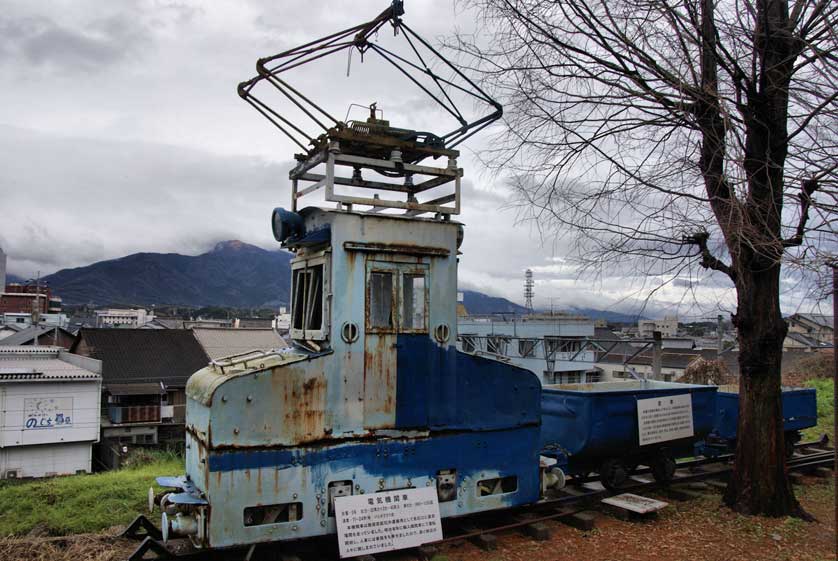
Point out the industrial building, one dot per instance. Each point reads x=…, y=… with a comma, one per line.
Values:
x=123, y=318
x=551, y=346
x=49, y=412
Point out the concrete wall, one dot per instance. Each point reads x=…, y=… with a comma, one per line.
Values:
x=35, y=413
x=45, y=459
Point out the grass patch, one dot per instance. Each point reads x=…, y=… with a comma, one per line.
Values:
x=826, y=413
x=83, y=503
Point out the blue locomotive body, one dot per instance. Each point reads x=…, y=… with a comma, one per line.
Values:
x=372, y=396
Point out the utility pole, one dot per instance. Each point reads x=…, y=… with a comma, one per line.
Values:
x=720, y=334
x=36, y=306
x=657, y=355
x=835, y=389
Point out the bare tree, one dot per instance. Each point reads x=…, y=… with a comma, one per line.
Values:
x=670, y=134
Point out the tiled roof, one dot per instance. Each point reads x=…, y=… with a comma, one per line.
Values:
x=807, y=341
x=169, y=356
x=817, y=319
x=39, y=364
x=221, y=342
x=25, y=336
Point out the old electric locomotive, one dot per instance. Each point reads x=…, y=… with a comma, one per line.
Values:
x=372, y=394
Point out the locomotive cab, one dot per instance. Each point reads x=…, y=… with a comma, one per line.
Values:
x=371, y=394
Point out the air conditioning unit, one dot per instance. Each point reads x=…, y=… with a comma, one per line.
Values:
x=11, y=474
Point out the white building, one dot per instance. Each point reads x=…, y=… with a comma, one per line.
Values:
x=554, y=347
x=123, y=318
x=49, y=411
x=23, y=320
x=2, y=270
x=667, y=326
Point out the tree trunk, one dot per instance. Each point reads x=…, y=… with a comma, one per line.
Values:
x=759, y=484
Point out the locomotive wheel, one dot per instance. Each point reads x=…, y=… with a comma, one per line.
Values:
x=790, y=441
x=663, y=468
x=613, y=473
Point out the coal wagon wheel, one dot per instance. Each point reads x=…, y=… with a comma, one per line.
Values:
x=791, y=440
x=613, y=473
x=663, y=468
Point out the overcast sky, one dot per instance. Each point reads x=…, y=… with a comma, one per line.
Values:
x=121, y=131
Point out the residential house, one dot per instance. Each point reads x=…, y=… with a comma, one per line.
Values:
x=809, y=332
x=42, y=335
x=49, y=411
x=668, y=327
x=220, y=342
x=144, y=374
x=621, y=359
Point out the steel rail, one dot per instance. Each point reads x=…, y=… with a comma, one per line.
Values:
x=563, y=507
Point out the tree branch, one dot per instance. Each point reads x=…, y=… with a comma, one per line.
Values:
x=807, y=189
x=708, y=260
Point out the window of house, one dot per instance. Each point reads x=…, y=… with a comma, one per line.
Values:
x=526, y=348
x=571, y=378
x=308, y=286
x=551, y=345
x=592, y=377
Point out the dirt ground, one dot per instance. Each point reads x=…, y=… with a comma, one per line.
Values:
x=698, y=530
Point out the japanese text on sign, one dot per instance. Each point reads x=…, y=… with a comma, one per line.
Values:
x=47, y=412
x=664, y=418
x=387, y=521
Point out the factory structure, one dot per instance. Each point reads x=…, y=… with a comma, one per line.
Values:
x=49, y=412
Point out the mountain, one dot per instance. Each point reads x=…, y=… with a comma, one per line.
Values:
x=10, y=279
x=607, y=315
x=233, y=274
x=477, y=303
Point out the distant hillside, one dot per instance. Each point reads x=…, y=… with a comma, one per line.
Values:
x=233, y=274
x=607, y=315
x=477, y=303
x=13, y=279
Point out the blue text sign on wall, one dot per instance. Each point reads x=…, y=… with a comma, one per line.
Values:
x=47, y=412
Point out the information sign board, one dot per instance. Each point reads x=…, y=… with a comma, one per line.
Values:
x=387, y=521
x=664, y=418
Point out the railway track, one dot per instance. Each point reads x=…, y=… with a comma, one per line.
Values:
x=567, y=505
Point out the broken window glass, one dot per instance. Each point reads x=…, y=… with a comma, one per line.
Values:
x=381, y=300
x=307, y=307
x=413, y=302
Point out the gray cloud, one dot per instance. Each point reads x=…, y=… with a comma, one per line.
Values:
x=125, y=134
x=42, y=42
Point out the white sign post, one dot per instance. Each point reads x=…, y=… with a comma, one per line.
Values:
x=664, y=418
x=387, y=521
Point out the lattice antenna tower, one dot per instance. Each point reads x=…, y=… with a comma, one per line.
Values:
x=529, y=283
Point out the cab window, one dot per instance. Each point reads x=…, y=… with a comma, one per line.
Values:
x=308, y=286
x=397, y=298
